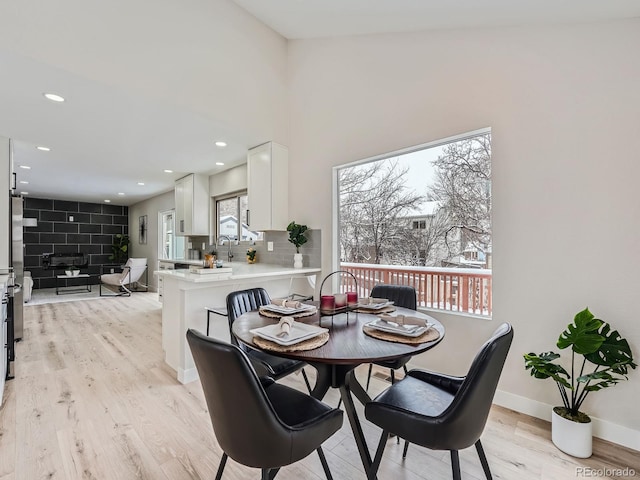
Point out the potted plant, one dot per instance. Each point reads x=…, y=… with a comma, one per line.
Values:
x=600, y=358
x=251, y=255
x=119, y=248
x=297, y=237
x=72, y=271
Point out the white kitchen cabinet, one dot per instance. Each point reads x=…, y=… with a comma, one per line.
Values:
x=192, y=205
x=163, y=266
x=268, y=187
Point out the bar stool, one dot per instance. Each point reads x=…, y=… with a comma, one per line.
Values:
x=216, y=310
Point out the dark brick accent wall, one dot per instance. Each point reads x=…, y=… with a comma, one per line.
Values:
x=91, y=232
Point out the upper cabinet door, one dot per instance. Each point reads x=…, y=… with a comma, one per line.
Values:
x=192, y=205
x=268, y=187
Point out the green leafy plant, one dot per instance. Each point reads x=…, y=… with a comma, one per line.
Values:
x=593, y=344
x=296, y=234
x=251, y=253
x=119, y=248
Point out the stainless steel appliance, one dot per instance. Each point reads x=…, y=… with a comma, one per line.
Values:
x=17, y=262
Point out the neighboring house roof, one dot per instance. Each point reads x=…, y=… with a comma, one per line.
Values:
x=427, y=209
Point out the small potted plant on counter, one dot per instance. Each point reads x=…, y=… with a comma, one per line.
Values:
x=252, y=255
x=593, y=344
x=297, y=237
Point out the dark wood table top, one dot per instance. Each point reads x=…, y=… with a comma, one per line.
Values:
x=347, y=345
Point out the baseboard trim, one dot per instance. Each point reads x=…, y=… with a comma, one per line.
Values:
x=603, y=429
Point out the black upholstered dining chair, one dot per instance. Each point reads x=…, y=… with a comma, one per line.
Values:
x=243, y=301
x=402, y=296
x=442, y=412
x=258, y=422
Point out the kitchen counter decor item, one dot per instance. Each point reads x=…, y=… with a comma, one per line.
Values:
x=297, y=237
x=252, y=255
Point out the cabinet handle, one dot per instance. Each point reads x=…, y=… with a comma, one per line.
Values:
x=14, y=186
x=181, y=226
x=248, y=222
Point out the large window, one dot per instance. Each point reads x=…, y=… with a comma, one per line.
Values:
x=428, y=207
x=231, y=218
x=421, y=217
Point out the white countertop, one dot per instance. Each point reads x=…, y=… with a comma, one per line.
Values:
x=239, y=271
x=185, y=262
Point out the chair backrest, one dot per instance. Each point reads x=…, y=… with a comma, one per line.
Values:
x=467, y=414
x=402, y=295
x=134, y=268
x=244, y=421
x=243, y=301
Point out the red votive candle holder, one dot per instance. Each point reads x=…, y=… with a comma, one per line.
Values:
x=327, y=302
x=352, y=298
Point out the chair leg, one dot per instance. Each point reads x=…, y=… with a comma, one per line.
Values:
x=223, y=462
x=404, y=450
x=325, y=465
x=405, y=369
x=270, y=473
x=483, y=460
x=455, y=465
x=373, y=470
x=393, y=376
x=306, y=380
x=369, y=376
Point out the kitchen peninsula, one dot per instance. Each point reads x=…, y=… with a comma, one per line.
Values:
x=187, y=294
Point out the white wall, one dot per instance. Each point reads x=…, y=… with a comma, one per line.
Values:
x=229, y=181
x=150, y=208
x=564, y=107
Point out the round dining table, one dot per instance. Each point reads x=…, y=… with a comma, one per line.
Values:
x=348, y=346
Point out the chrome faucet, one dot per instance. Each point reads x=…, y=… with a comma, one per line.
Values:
x=229, y=253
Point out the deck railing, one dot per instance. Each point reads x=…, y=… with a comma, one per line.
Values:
x=465, y=290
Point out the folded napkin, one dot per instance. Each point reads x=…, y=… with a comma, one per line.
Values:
x=404, y=320
x=283, y=302
x=372, y=301
x=285, y=324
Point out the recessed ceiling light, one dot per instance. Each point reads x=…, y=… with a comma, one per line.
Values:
x=26, y=167
x=24, y=193
x=168, y=171
x=141, y=183
x=24, y=182
x=53, y=97
x=44, y=149
x=121, y=194
x=220, y=163
x=107, y=201
x=221, y=144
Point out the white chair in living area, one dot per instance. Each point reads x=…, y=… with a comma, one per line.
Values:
x=123, y=282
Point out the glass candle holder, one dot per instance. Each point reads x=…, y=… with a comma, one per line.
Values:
x=341, y=300
x=352, y=298
x=327, y=302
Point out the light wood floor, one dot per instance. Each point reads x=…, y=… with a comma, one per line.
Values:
x=93, y=399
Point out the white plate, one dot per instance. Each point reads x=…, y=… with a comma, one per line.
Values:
x=404, y=330
x=299, y=332
x=288, y=310
x=375, y=306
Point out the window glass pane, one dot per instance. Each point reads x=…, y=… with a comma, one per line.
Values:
x=228, y=217
x=229, y=210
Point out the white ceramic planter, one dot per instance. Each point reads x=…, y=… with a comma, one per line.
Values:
x=297, y=260
x=572, y=438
